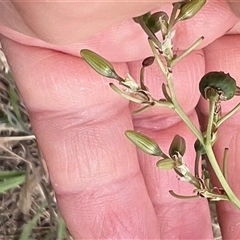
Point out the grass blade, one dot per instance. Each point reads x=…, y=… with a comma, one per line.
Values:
x=10, y=174
x=61, y=231
x=31, y=224
x=11, y=183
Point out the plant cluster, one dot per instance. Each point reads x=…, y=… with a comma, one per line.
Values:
x=215, y=87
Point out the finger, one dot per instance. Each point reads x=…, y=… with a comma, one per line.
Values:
x=68, y=22
x=178, y=219
x=223, y=55
x=80, y=124
x=126, y=33
x=235, y=6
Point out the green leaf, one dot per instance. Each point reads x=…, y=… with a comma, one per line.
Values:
x=14, y=102
x=61, y=230
x=10, y=174
x=12, y=182
x=32, y=223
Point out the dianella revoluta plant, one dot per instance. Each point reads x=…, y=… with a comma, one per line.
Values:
x=215, y=87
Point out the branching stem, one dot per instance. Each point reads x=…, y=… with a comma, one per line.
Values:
x=207, y=144
x=186, y=52
x=212, y=159
x=228, y=115
x=176, y=105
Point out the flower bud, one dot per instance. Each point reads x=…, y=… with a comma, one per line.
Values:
x=148, y=61
x=190, y=9
x=221, y=82
x=199, y=148
x=165, y=164
x=158, y=21
x=99, y=64
x=178, y=145
x=143, y=142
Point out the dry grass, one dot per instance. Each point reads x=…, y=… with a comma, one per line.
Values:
x=28, y=208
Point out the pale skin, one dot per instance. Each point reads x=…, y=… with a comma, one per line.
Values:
x=104, y=187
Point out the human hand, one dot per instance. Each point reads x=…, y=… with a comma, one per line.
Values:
x=105, y=189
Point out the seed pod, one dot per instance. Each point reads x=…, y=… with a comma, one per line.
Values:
x=165, y=164
x=99, y=64
x=143, y=142
x=221, y=82
x=178, y=145
x=190, y=9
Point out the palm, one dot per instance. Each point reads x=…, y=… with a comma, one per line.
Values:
x=104, y=188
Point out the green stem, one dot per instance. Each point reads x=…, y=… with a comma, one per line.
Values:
x=196, y=166
x=157, y=58
x=180, y=111
x=181, y=196
x=123, y=94
x=177, y=107
x=173, y=15
x=142, y=85
x=212, y=103
x=211, y=157
x=188, y=122
x=228, y=115
x=186, y=52
x=225, y=157
x=151, y=35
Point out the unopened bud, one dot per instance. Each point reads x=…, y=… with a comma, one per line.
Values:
x=199, y=148
x=190, y=9
x=99, y=64
x=158, y=21
x=178, y=145
x=143, y=142
x=148, y=61
x=166, y=164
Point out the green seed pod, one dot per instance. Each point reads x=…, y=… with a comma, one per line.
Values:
x=143, y=142
x=165, y=164
x=99, y=64
x=190, y=9
x=178, y=145
x=221, y=82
